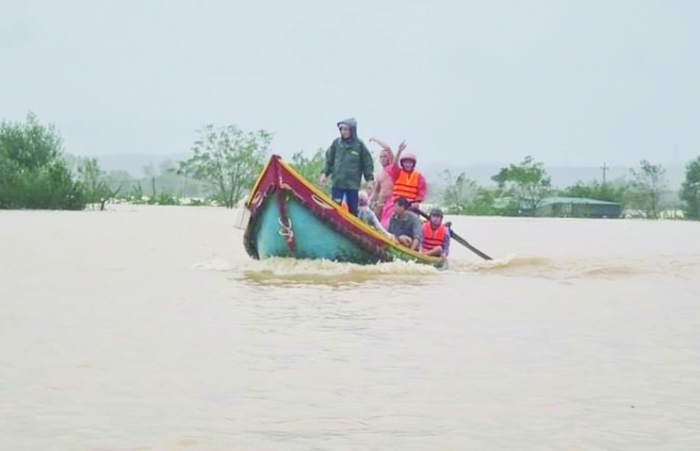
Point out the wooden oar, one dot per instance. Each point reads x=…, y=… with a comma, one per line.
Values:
x=458, y=238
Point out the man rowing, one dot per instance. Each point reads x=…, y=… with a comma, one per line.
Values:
x=436, y=236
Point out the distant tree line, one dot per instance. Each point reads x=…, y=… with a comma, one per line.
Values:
x=520, y=189
x=35, y=172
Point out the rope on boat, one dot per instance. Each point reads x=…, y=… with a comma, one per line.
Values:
x=286, y=229
x=282, y=195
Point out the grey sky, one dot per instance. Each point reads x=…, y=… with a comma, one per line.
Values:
x=575, y=82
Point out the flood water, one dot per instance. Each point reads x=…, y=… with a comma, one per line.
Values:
x=149, y=328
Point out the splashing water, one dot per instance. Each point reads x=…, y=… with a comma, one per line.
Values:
x=289, y=271
x=281, y=270
x=292, y=271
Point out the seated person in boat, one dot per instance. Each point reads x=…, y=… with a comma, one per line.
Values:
x=408, y=183
x=436, y=236
x=366, y=214
x=405, y=226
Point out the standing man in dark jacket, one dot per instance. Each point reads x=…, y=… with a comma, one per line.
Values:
x=347, y=160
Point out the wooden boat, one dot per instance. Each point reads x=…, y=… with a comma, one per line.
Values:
x=287, y=216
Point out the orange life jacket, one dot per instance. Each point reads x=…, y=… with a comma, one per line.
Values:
x=433, y=238
x=406, y=185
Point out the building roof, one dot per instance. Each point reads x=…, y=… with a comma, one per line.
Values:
x=574, y=200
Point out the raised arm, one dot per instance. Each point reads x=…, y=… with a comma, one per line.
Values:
x=402, y=147
x=381, y=143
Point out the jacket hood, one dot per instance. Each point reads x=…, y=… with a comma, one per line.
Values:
x=352, y=123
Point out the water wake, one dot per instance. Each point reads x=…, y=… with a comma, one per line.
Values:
x=288, y=270
x=324, y=272
x=579, y=268
x=510, y=263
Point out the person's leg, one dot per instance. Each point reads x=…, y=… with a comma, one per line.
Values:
x=352, y=198
x=378, y=208
x=405, y=240
x=387, y=211
x=337, y=195
x=435, y=252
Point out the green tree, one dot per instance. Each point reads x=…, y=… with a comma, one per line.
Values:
x=690, y=189
x=648, y=186
x=228, y=159
x=463, y=196
x=459, y=192
x=33, y=172
x=120, y=178
x=529, y=180
x=310, y=168
x=161, y=184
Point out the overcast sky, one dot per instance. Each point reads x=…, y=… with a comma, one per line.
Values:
x=575, y=82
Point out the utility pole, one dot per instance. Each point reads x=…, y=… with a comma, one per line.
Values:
x=604, y=168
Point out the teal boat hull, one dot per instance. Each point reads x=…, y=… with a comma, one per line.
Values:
x=290, y=217
x=315, y=239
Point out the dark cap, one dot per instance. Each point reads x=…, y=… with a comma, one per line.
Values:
x=403, y=202
x=436, y=212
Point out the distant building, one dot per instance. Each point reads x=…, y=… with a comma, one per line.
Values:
x=574, y=207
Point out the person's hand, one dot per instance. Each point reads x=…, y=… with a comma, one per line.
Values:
x=402, y=146
x=415, y=205
x=322, y=179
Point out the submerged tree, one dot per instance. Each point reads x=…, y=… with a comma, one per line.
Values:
x=529, y=180
x=458, y=193
x=648, y=185
x=96, y=184
x=228, y=159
